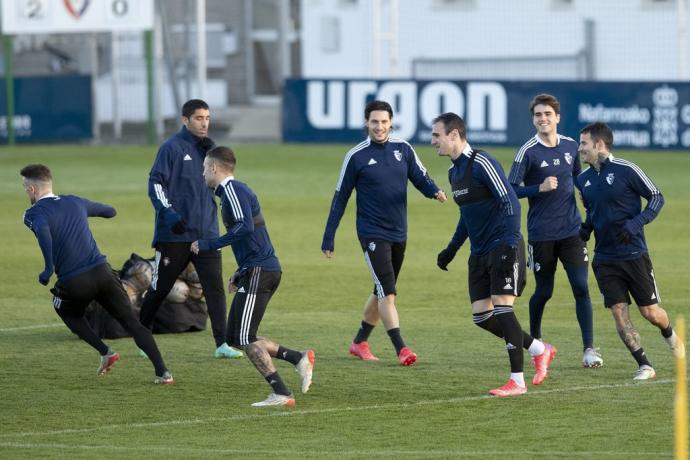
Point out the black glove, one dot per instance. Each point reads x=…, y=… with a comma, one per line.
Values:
x=624, y=236
x=446, y=256
x=44, y=277
x=585, y=231
x=179, y=227
x=628, y=231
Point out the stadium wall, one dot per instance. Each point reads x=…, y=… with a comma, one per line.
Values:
x=642, y=114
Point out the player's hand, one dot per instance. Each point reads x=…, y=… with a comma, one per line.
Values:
x=44, y=277
x=179, y=227
x=550, y=184
x=232, y=283
x=327, y=253
x=194, y=247
x=628, y=230
x=446, y=256
x=441, y=196
x=585, y=231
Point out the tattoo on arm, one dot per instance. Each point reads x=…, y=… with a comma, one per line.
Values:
x=260, y=358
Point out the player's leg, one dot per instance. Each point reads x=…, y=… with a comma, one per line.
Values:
x=573, y=254
x=646, y=295
x=209, y=267
x=255, y=289
x=70, y=301
x=384, y=259
x=542, y=261
x=112, y=296
x=360, y=345
x=612, y=279
x=170, y=260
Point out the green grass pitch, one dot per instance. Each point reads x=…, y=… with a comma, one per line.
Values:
x=53, y=405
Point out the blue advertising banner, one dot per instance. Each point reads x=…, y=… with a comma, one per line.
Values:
x=48, y=109
x=642, y=115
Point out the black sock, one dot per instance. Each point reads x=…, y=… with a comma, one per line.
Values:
x=641, y=358
x=513, y=335
x=277, y=384
x=363, y=332
x=397, y=340
x=288, y=355
x=487, y=321
x=667, y=332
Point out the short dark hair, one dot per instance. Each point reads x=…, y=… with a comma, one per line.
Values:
x=192, y=106
x=545, y=99
x=223, y=156
x=377, y=105
x=37, y=172
x=452, y=121
x=599, y=131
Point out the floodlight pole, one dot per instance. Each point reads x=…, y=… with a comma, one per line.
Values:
x=148, y=49
x=9, y=87
x=682, y=39
x=201, y=47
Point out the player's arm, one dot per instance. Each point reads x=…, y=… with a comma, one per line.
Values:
x=95, y=209
x=159, y=181
x=419, y=176
x=239, y=205
x=516, y=177
x=491, y=174
x=644, y=186
x=343, y=190
x=586, y=227
x=39, y=226
x=447, y=255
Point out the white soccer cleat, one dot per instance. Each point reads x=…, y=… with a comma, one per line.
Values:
x=676, y=346
x=276, y=400
x=645, y=372
x=592, y=358
x=305, y=369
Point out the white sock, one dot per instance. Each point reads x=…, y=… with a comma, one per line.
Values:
x=519, y=378
x=536, y=348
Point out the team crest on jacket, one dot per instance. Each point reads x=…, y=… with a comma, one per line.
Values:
x=372, y=246
x=609, y=178
x=568, y=158
x=397, y=155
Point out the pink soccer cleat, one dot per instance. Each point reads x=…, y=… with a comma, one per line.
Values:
x=361, y=350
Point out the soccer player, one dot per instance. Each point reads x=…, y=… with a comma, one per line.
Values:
x=611, y=192
x=379, y=168
x=256, y=279
x=186, y=212
x=69, y=250
x=544, y=171
x=490, y=217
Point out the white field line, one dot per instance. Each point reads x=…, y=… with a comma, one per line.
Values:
x=35, y=326
x=334, y=410
x=340, y=453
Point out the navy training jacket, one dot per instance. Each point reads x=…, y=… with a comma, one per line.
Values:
x=178, y=191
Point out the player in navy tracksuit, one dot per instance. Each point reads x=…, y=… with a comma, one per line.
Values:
x=186, y=212
x=612, y=189
x=544, y=171
x=256, y=279
x=490, y=217
x=379, y=169
x=69, y=250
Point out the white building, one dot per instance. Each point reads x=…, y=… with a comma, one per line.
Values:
x=498, y=39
